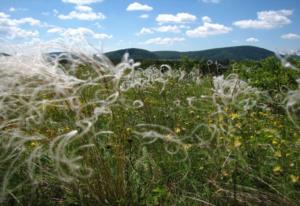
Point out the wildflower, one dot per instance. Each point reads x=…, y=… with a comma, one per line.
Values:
x=128, y=130
x=294, y=178
x=277, y=154
x=292, y=164
x=168, y=137
x=274, y=141
x=191, y=112
x=234, y=116
x=237, y=142
x=33, y=144
x=187, y=146
x=225, y=173
x=238, y=125
x=177, y=130
x=277, y=169
x=263, y=114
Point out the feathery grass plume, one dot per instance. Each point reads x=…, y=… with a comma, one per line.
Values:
x=76, y=129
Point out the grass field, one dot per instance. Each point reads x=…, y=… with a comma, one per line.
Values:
x=96, y=134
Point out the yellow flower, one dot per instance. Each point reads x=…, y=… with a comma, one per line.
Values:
x=277, y=169
x=33, y=144
x=187, y=146
x=237, y=142
x=292, y=164
x=177, y=130
x=234, y=116
x=294, y=178
x=225, y=173
x=277, y=154
x=168, y=137
x=274, y=141
x=263, y=113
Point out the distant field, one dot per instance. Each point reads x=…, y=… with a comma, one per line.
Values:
x=90, y=133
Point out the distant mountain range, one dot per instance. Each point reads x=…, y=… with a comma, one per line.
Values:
x=232, y=53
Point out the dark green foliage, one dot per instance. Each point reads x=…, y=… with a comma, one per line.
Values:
x=137, y=54
x=268, y=75
x=232, y=53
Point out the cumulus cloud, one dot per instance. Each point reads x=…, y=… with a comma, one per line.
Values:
x=164, y=41
x=179, y=18
x=81, y=2
x=266, y=20
x=173, y=29
x=145, y=31
x=84, y=13
x=165, y=29
x=139, y=7
x=208, y=29
x=290, y=36
x=252, y=40
x=83, y=8
x=144, y=16
x=80, y=32
x=12, y=28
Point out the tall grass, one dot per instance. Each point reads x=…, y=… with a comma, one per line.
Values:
x=91, y=133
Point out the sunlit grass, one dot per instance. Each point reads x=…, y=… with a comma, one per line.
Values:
x=95, y=134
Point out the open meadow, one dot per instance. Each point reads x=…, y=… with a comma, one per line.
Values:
x=91, y=133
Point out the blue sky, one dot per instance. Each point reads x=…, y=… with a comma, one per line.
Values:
x=182, y=25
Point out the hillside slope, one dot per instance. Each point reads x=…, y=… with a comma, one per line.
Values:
x=232, y=53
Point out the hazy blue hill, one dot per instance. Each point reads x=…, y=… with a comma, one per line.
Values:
x=137, y=54
x=232, y=53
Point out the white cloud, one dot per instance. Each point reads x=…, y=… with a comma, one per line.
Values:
x=144, y=16
x=211, y=1
x=11, y=28
x=55, y=30
x=179, y=18
x=80, y=32
x=252, y=40
x=12, y=9
x=266, y=20
x=3, y=15
x=81, y=2
x=16, y=32
x=164, y=41
x=29, y=20
x=83, y=8
x=169, y=28
x=174, y=29
x=145, y=31
x=84, y=13
x=139, y=7
x=208, y=29
x=290, y=36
